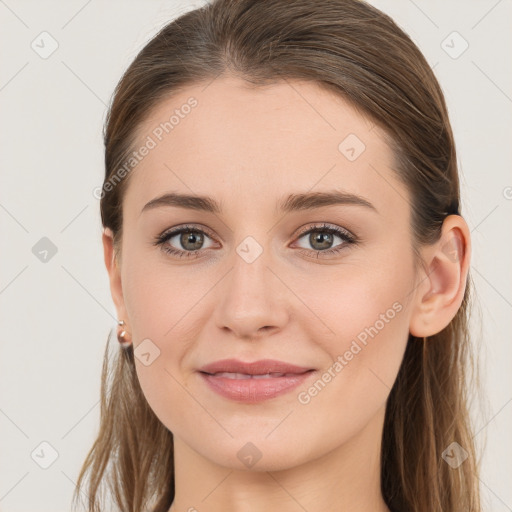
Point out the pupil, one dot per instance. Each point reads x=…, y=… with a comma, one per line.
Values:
x=194, y=238
x=324, y=239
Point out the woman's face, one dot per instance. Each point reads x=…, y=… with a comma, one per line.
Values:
x=268, y=280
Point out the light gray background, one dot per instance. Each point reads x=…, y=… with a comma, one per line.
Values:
x=55, y=316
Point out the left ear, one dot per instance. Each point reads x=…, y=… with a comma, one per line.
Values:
x=443, y=279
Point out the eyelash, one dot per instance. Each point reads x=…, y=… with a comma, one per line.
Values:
x=346, y=236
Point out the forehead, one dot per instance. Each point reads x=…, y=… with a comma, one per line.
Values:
x=233, y=141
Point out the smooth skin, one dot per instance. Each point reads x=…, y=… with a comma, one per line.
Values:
x=248, y=148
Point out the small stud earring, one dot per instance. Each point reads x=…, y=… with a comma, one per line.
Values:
x=122, y=335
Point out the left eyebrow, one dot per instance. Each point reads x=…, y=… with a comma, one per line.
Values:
x=292, y=202
x=311, y=200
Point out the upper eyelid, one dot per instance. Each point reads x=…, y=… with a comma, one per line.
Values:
x=178, y=229
x=326, y=226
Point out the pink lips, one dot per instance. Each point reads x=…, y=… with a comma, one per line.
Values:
x=253, y=382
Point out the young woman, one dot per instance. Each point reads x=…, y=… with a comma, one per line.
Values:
x=289, y=265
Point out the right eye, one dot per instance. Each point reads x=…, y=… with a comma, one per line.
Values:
x=190, y=238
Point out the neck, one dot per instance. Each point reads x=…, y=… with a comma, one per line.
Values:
x=346, y=479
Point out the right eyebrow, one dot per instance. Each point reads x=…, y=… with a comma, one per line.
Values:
x=190, y=202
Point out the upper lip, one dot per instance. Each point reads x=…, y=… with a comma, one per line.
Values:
x=261, y=367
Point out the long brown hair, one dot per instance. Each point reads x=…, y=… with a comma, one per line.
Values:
x=355, y=50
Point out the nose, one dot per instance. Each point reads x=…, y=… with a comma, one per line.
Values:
x=251, y=299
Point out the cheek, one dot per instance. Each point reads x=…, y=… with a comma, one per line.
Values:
x=367, y=314
x=160, y=304
x=157, y=296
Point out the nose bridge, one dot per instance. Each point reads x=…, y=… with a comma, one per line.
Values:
x=249, y=281
x=249, y=299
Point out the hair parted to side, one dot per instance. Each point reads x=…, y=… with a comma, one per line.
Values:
x=355, y=50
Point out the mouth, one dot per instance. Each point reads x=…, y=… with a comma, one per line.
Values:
x=260, y=367
x=253, y=382
x=273, y=375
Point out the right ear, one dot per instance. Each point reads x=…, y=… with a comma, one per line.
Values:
x=114, y=273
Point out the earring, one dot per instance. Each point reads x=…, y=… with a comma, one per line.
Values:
x=122, y=335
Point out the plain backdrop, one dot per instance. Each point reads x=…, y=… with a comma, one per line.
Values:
x=56, y=314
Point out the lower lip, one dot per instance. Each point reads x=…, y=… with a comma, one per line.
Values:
x=254, y=390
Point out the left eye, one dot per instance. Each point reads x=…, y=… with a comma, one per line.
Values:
x=321, y=238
